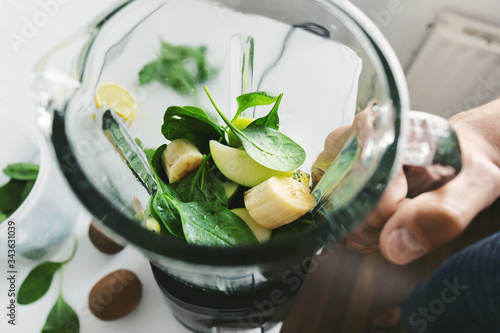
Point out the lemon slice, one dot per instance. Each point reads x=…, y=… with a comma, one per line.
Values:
x=114, y=96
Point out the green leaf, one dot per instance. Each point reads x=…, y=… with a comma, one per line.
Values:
x=190, y=123
x=208, y=223
x=3, y=217
x=271, y=148
x=26, y=190
x=150, y=72
x=167, y=213
x=38, y=282
x=202, y=186
x=22, y=171
x=11, y=195
x=159, y=207
x=40, y=278
x=157, y=165
x=272, y=119
x=180, y=67
x=266, y=145
x=149, y=152
x=292, y=229
x=62, y=318
x=253, y=99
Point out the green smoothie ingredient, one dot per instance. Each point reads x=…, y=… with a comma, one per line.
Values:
x=179, y=67
x=14, y=192
x=209, y=192
x=61, y=318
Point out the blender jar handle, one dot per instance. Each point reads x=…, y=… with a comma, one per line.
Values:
x=432, y=155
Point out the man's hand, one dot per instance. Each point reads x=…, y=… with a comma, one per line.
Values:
x=406, y=229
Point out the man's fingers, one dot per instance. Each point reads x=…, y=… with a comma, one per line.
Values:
x=333, y=144
x=434, y=218
x=365, y=238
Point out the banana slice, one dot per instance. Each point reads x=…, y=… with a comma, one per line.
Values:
x=180, y=158
x=278, y=201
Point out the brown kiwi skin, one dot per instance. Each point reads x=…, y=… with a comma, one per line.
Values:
x=102, y=241
x=116, y=295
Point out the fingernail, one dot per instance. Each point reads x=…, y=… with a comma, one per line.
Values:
x=403, y=247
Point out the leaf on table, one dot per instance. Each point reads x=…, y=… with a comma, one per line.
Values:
x=38, y=282
x=61, y=318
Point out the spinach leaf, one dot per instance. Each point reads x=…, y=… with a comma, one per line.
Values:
x=159, y=207
x=11, y=195
x=157, y=165
x=202, y=186
x=14, y=192
x=271, y=148
x=292, y=229
x=190, y=123
x=167, y=213
x=202, y=222
x=266, y=145
x=22, y=171
x=147, y=151
x=37, y=282
x=26, y=190
x=271, y=120
x=179, y=67
x=252, y=99
x=208, y=223
x=40, y=278
x=62, y=318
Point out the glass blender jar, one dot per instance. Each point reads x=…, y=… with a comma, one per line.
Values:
x=328, y=59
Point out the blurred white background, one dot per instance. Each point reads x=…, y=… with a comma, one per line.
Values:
x=451, y=64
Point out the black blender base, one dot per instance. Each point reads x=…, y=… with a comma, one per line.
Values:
x=201, y=311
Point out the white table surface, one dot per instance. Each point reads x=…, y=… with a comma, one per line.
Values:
x=21, y=46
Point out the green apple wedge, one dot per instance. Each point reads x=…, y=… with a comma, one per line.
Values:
x=263, y=235
x=240, y=123
x=231, y=189
x=239, y=167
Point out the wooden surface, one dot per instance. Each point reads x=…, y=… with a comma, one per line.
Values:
x=347, y=290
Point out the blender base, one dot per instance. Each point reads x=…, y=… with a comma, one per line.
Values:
x=204, y=311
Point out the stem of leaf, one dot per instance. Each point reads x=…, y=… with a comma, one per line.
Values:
x=61, y=271
x=228, y=123
x=73, y=252
x=200, y=172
